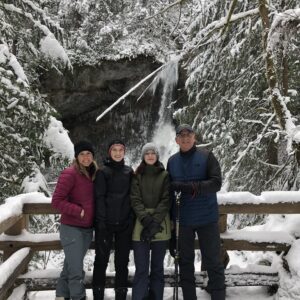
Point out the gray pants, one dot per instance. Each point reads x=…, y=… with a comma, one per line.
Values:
x=75, y=242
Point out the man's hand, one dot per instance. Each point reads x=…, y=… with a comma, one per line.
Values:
x=190, y=187
x=184, y=187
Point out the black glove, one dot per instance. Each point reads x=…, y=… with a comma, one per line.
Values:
x=146, y=221
x=149, y=232
x=172, y=244
x=154, y=228
x=145, y=235
x=184, y=187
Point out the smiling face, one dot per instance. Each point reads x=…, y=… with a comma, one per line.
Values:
x=117, y=152
x=150, y=157
x=186, y=140
x=85, y=158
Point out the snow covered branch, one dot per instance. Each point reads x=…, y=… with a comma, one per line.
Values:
x=283, y=24
x=238, y=161
x=49, y=45
x=165, y=9
x=232, y=6
x=219, y=24
x=128, y=93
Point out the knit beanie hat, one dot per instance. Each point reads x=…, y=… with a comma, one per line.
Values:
x=150, y=147
x=113, y=143
x=83, y=146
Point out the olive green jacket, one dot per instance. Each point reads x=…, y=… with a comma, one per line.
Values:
x=150, y=194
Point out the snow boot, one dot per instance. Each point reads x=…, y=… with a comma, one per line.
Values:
x=98, y=293
x=121, y=293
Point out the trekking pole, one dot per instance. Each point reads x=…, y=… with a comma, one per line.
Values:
x=176, y=258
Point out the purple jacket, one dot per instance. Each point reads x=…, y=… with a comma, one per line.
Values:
x=73, y=193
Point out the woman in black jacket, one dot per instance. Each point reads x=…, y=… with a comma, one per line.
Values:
x=113, y=220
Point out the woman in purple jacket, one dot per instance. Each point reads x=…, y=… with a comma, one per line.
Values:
x=73, y=198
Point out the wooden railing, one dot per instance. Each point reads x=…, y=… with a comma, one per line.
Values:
x=18, y=245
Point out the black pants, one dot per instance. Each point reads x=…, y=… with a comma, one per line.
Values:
x=122, y=236
x=209, y=244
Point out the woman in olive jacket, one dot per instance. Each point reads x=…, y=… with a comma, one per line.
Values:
x=151, y=203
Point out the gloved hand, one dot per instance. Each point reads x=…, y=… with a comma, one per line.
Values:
x=149, y=232
x=154, y=228
x=145, y=235
x=172, y=244
x=146, y=221
x=184, y=187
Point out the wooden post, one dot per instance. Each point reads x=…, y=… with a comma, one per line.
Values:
x=16, y=229
x=223, y=228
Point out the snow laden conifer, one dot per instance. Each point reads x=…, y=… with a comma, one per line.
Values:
x=229, y=100
x=118, y=29
x=29, y=39
x=21, y=143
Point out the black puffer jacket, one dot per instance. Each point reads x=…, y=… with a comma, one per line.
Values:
x=112, y=194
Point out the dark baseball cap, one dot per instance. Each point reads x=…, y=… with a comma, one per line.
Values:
x=182, y=127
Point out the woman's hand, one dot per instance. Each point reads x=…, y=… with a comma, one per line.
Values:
x=82, y=214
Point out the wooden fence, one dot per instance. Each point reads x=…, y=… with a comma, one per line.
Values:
x=18, y=246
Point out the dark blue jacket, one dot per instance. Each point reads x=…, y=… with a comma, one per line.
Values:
x=202, y=168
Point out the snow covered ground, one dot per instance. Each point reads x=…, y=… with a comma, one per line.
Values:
x=238, y=293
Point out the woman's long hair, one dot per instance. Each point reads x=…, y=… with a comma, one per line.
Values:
x=89, y=172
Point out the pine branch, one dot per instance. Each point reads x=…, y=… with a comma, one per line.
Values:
x=206, y=32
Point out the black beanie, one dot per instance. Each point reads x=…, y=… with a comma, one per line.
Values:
x=115, y=142
x=83, y=146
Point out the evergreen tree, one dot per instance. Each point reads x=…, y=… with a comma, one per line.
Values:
x=25, y=32
x=229, y=101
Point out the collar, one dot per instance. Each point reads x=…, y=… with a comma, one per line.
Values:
x=189, y=152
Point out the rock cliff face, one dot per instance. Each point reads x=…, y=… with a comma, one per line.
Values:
x=79, y=97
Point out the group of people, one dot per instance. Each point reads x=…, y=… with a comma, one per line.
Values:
x=136, y=210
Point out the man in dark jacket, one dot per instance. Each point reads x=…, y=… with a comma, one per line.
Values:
x=196, y=174
x=113, y=220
